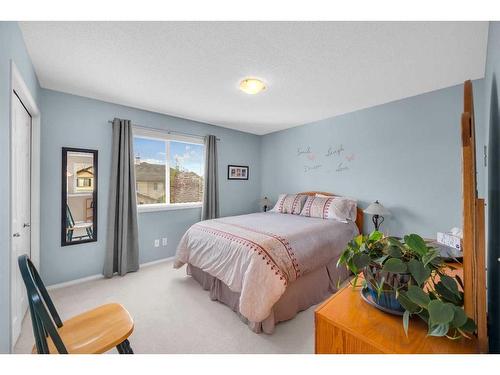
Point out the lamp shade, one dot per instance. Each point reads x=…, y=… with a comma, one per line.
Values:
x=265, y=202
x=376, y=209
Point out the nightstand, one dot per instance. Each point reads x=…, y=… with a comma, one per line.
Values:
x=345, y=324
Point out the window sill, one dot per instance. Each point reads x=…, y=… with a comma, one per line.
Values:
x=167, y=207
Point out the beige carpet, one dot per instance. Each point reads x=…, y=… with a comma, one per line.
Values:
x=173, y=314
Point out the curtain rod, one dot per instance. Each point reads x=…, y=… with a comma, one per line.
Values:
x=166, y=131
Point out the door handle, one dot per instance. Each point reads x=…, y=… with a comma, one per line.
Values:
x=16, y=234
x=26, y=225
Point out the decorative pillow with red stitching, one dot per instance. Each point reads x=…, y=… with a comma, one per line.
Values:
x=338, y=208
x=290, y=204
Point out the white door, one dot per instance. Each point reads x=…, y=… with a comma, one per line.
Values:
x=21, y=209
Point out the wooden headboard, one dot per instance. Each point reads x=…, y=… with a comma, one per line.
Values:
x=359, y=212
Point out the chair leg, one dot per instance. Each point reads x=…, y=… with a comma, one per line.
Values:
x=120, y=349
x=124, y=347
x=128, y=347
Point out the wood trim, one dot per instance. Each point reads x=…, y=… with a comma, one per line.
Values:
x=359, y=211
x=473, y=226
x=468, y=192
x=480, y=278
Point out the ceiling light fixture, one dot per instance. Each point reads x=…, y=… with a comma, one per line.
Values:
x=252, y=86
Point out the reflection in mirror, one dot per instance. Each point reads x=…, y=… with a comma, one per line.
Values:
x=79, y=196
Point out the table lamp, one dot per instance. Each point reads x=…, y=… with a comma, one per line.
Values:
x=378, y=212
x=265, y=203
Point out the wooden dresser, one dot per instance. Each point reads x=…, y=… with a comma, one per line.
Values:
x=345, y=324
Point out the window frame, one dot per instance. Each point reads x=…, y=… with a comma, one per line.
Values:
x=165, y=136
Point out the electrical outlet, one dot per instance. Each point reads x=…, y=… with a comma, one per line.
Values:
x=164, y=241
x=157, y=243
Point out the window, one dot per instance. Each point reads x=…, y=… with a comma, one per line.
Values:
x=83, y=177
x=168, y=169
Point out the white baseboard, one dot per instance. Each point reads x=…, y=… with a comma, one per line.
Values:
x=74, y=282
x=100, y=276
x=154, y=262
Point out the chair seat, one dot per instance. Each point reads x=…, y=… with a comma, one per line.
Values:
x=80, y=225
x=95, y=331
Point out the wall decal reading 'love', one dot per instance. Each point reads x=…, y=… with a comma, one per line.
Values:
x=336, y=155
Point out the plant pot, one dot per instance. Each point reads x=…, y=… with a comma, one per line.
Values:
x=387, y=300
x=373, y=275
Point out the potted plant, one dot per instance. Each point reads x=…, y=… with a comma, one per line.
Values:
x=409, y=276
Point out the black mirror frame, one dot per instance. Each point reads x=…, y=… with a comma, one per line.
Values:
x=64, y=194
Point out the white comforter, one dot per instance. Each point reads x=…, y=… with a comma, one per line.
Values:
x=258, y=255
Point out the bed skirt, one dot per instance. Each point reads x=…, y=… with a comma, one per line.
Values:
x=303, y=293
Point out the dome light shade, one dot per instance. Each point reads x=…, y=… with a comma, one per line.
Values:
x=376, y=209
x=252, y=86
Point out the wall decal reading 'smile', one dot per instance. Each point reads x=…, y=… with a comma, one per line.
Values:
x=333, y=152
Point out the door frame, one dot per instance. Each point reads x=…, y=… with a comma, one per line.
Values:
x=19, y=87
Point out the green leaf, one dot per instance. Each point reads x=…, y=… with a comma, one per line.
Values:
x=393, y=241
x=459, y=281
x=342, y=258
x=419, y=272
x=394, y=265
x=406, y=302
x=375, y=236
x=440, y=312
x=438, y=330
x=418, y=296
x=361, y=260
x=450, y=284
x=430, y=257
x=437, y=260
x=469, y=326
x=358, y=240
x=416, y=243
x=381, y=259
x=406, y=321
x=446, y=294
x=394, y=252
x=424, y=315
x=459, y=318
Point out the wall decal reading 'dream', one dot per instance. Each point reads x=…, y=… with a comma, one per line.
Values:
x=343, y=161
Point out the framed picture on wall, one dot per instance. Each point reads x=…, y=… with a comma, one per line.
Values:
x=237, y=172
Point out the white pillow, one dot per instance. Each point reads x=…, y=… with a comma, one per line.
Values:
x=330, y=207
x=289, y=204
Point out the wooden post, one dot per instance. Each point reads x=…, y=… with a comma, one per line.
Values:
x=468, y=192
x=480, y=278
x=473, y=244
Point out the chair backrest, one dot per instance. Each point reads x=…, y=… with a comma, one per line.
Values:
x=44, y=322
x=70, y=222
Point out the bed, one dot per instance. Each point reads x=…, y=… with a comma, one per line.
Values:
x=269, y=266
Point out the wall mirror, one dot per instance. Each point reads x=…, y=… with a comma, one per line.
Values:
x=79, y=196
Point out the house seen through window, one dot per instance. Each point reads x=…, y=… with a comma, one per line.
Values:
x=168, y=170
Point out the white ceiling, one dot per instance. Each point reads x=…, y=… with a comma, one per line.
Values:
x=313, y=70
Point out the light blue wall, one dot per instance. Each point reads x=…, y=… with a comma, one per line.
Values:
x=74, y=121
x=407, y=154
x=11, y=48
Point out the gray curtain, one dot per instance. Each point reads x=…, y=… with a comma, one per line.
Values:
x=210, y=209
x=122, y=247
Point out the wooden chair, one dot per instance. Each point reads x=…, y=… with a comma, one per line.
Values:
x=71, y=226
x=93, y=332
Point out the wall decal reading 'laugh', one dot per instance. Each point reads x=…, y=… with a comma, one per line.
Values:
x=335, y=157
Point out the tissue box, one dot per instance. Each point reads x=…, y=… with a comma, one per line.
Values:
x=449, y=240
